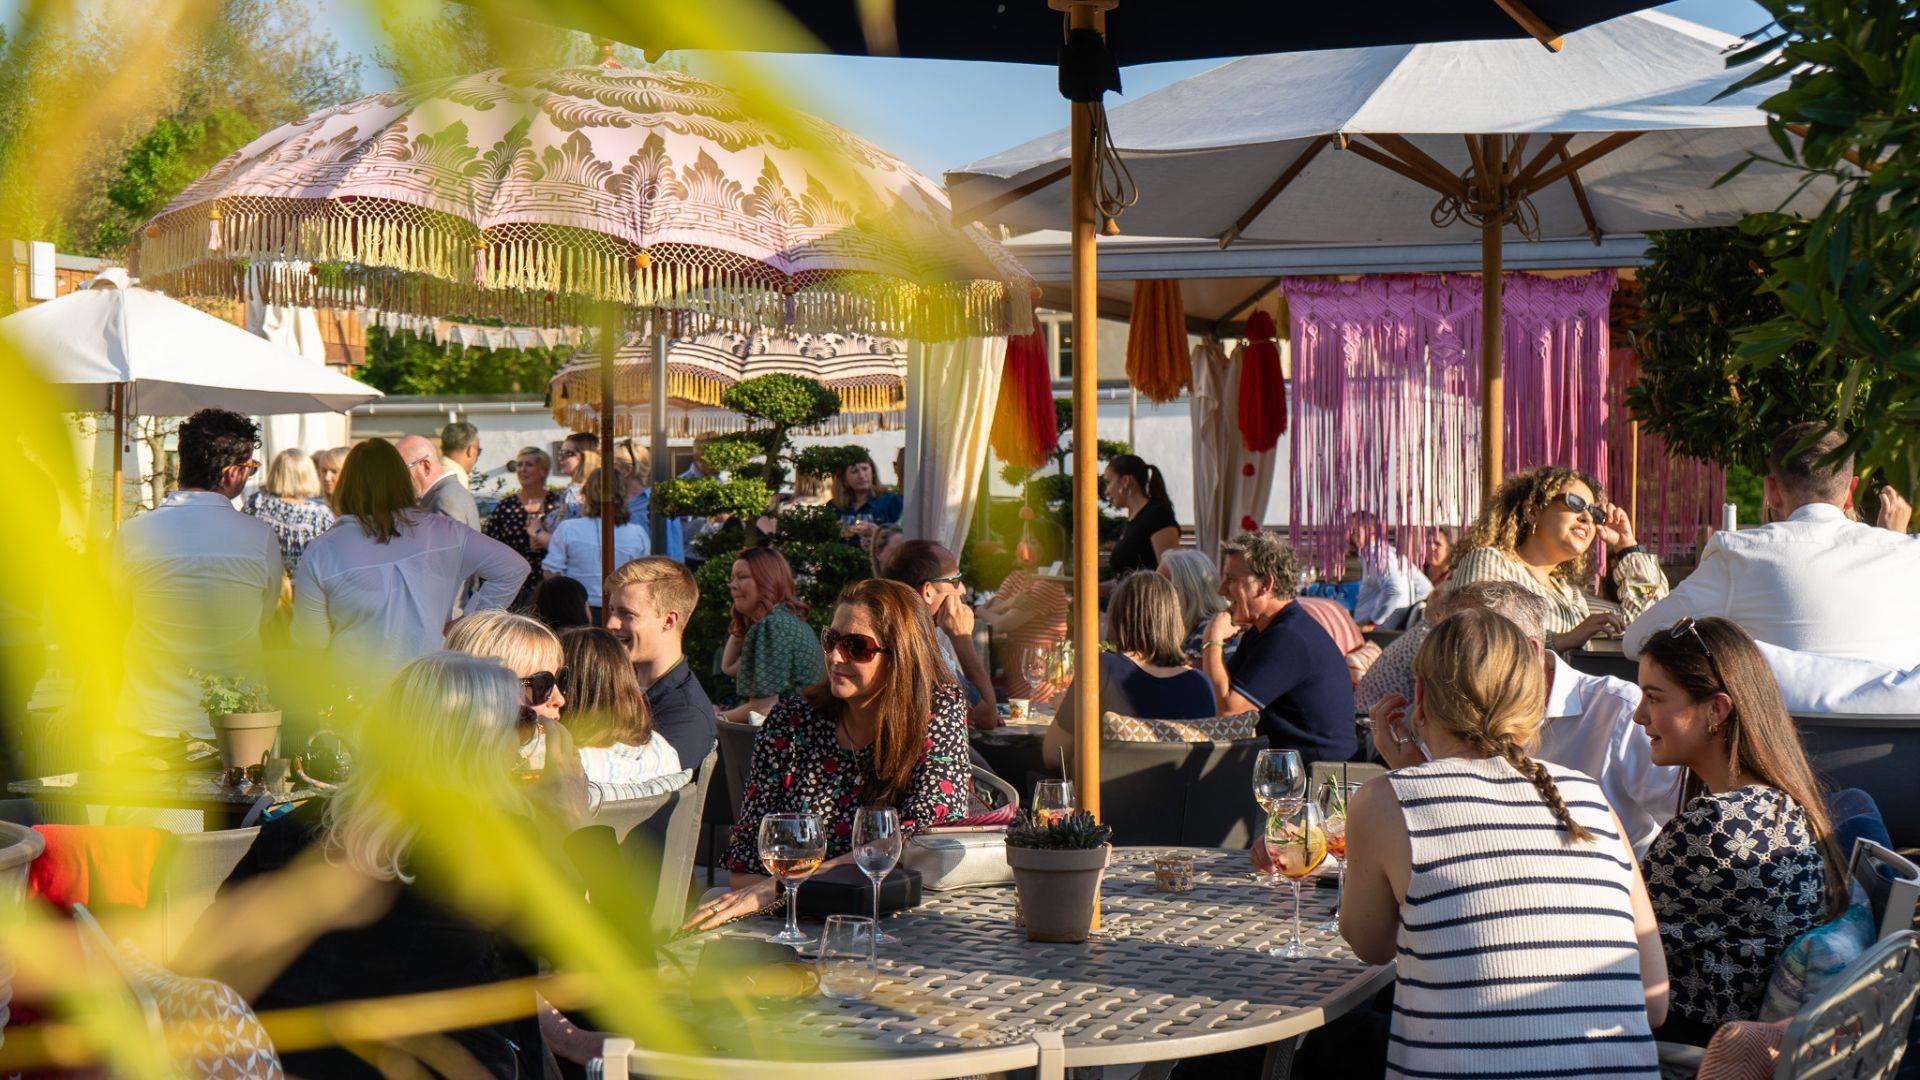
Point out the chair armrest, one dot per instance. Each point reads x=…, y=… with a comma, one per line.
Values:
x=1680, y=1059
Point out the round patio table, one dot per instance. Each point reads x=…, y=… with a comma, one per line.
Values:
x=1167, y=976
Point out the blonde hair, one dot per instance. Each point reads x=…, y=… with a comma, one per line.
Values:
x=1197, y=581
x=1143, y=618
x=291, y=475
x=670, y=586
x=1480, y=681
x=523, y=644
x=545, y=459
x=329, y=460
x=445, y=732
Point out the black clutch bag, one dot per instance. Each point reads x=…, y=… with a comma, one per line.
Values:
x=844, y=890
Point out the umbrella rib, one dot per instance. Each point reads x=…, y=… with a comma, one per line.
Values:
x=963, y=218
x=1580, y=200
x=1386, y=160
x=1437, y=174
x=1580, y=160
x=1273, y=191
x=1477, y=151
x=1531, y=23
x=1547, y=153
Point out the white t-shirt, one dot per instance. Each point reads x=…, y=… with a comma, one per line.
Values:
x=574, y=551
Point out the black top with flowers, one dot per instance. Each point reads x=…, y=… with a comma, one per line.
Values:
x=799, y=767
x=508, y=524
x=1733, y=879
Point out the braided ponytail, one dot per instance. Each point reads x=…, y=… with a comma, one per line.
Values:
x=1549, y=792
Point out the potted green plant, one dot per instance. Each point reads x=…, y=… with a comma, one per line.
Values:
x=245, y=723
x=1057, y=862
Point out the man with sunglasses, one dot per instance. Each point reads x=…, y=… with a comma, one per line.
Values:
x=204, y=578
x=934, y=572
x=1814, y=580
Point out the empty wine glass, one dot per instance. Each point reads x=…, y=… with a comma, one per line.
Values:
x=1034, y=662
x=791, y=848
x=1297, y=843
x=1053, y=799
x=876, y=848
x=1279, y=780
x=1333, y=798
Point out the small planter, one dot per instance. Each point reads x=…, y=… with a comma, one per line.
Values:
x=246, y=738
x=1058, y=889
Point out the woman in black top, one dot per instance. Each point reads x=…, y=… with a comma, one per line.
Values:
x=1140, y=490
x=533, y=502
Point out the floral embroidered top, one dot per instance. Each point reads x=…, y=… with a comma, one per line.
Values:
x=295, y=523
x=1733, y=880
x=800, y=767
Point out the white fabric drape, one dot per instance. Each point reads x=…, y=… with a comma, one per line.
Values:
x=1223, y=495
x=297, y=330
x=951, y=390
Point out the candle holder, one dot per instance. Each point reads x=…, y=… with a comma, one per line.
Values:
x=1173, y=873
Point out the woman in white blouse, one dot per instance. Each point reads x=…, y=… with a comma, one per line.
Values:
x=574, y=550
x=376, y=589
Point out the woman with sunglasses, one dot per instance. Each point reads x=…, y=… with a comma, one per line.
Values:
x=1750, y=862
x=771, y=651
x=1538, y=532
x=886, y=728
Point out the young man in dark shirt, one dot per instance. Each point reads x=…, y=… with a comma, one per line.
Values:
x=648, y=603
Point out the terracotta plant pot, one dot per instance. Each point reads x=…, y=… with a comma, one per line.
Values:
x=246, y=737
x=1058, y=889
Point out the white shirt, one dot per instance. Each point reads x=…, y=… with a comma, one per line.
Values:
x=1389, y=584
x=203, y=578
x=1590, y=727
x=1815, y=685
x=1816, y=582
x=380, y=606
x=574, y=551
x=458, y=472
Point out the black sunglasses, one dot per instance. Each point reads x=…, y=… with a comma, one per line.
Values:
x=1579, y=505
x=540, y=685
x=857, y=648
x=1690, y=627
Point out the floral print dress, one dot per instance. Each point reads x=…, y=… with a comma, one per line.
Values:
x=1734, y=879
x=800, y=767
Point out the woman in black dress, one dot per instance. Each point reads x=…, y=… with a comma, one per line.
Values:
x=1138, y=488
x=533, y=502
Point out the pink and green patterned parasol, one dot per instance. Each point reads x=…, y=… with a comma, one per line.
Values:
x=534, y=195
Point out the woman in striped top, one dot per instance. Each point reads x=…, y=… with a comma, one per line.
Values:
x=1501, y=887
x=1538, y=532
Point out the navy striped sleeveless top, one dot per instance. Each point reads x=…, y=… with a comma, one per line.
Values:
x=1517, y=956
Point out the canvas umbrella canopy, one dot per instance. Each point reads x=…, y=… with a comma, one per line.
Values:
x=1620, y=132
x=563, y=196
x=113, y=347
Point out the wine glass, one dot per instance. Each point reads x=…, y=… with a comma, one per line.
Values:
x=1297, y=843
x=1034, y=662
x=1053, y=799
x=1279, y=780
x=848, y=969
x=1062, y=662
x=876, y=848
x=791, y=848
x=1333, y=799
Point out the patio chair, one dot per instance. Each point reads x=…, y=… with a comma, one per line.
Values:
x=1193, y=794
x=1858, y=1027
x=656, y=838
x=734, y=743
x=1892, y=884
x=187, y=873
x=1342, y=772
x=1872, y=753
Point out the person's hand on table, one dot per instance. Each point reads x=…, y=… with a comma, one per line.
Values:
x=984, y=717
x=1391, y=738
x=1895, y=513
x=1600, y=622
x=733, y=905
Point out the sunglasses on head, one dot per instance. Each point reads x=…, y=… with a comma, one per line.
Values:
x=1689, y=627
x=540, y=685
x=1579, y=504
x=856, y=648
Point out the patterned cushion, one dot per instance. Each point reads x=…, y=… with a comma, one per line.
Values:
x=1816, y=958
x=215, y=1033
x=1117, y=728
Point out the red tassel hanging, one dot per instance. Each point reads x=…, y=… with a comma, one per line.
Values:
x=1263, y=389
x=1024, y=432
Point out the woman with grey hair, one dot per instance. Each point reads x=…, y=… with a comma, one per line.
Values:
x=1197, y=583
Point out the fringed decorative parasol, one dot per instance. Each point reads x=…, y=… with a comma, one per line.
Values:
x=536, y=195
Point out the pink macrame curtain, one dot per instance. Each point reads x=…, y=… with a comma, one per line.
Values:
x=1679, y=496
x=1386, y=398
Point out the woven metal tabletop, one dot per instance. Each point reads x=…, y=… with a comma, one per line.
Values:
x=1166, y=976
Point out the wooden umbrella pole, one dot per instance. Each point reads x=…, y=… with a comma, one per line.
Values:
x=609, y=347
x=1493, y=402
x=662, y=344
x=1086, y=419
x=119, y=396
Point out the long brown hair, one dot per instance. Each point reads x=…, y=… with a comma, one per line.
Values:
x=773, y=576
x=843, y=495
x=910, y=671
x=1763, y=744
x=1481, y=682
x=1143, y=618
x=1506, y=521
x=375, y=489
x=605, y=704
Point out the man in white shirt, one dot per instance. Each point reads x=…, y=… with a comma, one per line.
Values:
x=1589, y=721
x=202, y=579
x=1390, y=585
x=1817, y=581
x=1815, y=685
x=460, y=451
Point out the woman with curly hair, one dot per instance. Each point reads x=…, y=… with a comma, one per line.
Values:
x=1538, y=532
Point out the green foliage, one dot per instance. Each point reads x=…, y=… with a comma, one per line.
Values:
x=405, y=363
x=710, y=496
x=1108, y=449
x=811, y=524
x=171, y=155
x=726, y=453
x=828, y=461
x=1701, y=285
x=1075, y=830
x=783, y=400
x=1744, y=491
x=1847, y=280
x=225, y=695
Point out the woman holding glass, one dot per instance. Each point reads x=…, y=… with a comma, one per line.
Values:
x=886, y=728
x=1471, y=859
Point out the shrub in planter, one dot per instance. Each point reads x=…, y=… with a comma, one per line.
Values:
x=245, y=722
x=1057, y=862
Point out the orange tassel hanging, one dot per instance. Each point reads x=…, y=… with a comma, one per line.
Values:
x=1263, y=389
x=1158, y=364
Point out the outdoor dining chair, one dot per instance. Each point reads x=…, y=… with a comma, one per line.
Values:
x=187, y=873
x=1872, y=753
x=1191, y=794
x=1858, y=1027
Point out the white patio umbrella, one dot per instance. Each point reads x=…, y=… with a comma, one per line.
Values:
x=1619, y=132
x=114, y=347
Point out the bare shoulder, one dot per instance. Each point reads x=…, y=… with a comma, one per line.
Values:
x=1376, y=807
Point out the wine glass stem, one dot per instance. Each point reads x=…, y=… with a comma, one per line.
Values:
x=1293, y=943
x=793, y=908
x=876, y=902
